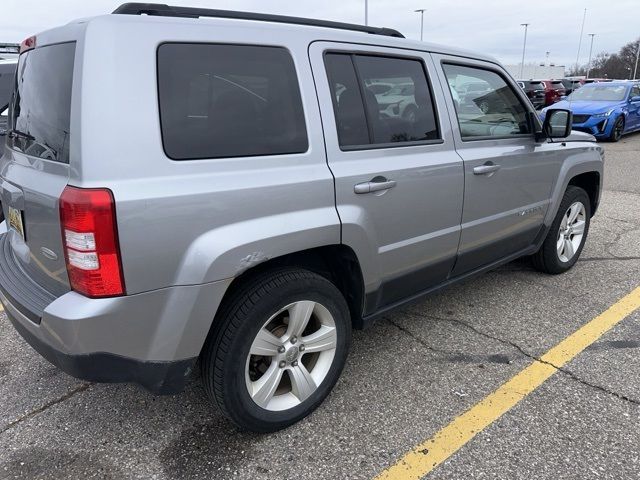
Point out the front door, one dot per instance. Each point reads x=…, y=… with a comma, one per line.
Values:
x=399, y=182
x=508, y=174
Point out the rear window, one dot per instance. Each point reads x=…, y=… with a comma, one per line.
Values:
x=41, y=111
x=220, y=101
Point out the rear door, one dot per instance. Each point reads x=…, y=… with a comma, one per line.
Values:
x=35, y=167
x=508, y=174
x=398, y=179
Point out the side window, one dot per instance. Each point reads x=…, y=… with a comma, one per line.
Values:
x=222, y=101
x=635, y=91
x=486, y=105
x=347, y=102
x=380, y=100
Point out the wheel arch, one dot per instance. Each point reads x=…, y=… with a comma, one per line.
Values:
x=337, y=263
x=590, y=183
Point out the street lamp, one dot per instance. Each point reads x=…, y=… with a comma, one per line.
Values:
x=635, y=69
x=584, y=17
x=366, y=12
x=524, y=47
x=590, y=52
x=421, y=11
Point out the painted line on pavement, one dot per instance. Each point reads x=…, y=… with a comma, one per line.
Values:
x=429, y=454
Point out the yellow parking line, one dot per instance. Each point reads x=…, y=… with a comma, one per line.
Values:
x=431, y=453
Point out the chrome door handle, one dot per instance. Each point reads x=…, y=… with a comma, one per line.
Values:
x=374, y=186
x=486, y=169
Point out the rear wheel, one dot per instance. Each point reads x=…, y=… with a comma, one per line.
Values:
x=618, y=129
x=567, y=235
x=281, y=344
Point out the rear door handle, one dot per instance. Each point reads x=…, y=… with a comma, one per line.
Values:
x=374, y=186
x=486, y=169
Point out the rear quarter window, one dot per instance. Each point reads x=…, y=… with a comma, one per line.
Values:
x=221, y=101
x=41, y=111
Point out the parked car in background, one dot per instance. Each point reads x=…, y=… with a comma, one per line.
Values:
x=605, y=110
x=596, y=80
x=553, y=90
x=7, y=77
x=267, y=206
x=571, y=84
x=535, y=91
x=398, y=101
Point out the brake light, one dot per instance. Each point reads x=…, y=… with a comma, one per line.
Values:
x=28, y=44
x=90, y=236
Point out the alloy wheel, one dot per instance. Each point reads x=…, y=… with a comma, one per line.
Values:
x=571, y=231
x=291, y=355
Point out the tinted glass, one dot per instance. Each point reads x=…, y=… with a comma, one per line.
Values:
x=496, y=111
x=404, y=113
x=229, y=101
x=41, y=112
x=347, y=100
x=388, y=100
x=600, y=92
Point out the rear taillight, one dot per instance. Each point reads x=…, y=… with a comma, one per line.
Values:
x=90, y=238
x=28, y=44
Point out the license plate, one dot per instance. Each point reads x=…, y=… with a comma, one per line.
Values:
x=15, y=221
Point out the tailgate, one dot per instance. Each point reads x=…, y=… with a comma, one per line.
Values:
x=35, y=167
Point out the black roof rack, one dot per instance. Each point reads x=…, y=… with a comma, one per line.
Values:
x=190, y=12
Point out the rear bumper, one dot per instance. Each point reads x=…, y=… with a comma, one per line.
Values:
x=151, y=338
x=158, y=377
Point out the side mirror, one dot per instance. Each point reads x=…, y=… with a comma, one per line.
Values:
x=557, y=123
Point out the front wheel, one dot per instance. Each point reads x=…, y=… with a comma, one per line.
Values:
x=618, y=129
x=280, y=346
x=567, y=235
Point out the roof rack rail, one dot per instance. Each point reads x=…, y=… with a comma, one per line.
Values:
x=9, y=48
x=162, y=10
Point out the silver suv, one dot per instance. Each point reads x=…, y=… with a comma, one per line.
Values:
x=184, y=184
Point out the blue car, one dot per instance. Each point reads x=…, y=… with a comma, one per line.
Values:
x=606, y=110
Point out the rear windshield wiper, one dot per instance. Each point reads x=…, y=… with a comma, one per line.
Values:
x=13, y=133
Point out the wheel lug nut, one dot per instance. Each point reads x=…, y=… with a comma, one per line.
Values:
x=282, y=364
x=294, y=339
x=301, y=348
x=280, y=349
x=295, y=363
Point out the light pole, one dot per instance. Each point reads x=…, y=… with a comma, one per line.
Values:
x=635, y=69
x=590, y=52
x=584, y=17
x=524, y=47
x=421, y=11
x=366, y=12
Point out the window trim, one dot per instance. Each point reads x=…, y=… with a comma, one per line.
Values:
x=295, y=70
x=502, y=75
x=379, y=146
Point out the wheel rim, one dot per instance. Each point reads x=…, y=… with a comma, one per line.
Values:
x=291, y=355
x=571, y=231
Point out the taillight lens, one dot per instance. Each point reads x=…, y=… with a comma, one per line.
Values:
x=90, y=237
x=28, y=44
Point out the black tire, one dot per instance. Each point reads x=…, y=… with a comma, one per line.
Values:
x=238, y=321
x=547, y=259
x=618, y=128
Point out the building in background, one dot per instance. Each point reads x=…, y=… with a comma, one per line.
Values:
x=536, y=71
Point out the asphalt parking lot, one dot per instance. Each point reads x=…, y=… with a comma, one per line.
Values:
x=407, y=377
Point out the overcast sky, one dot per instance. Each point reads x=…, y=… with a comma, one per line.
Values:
x=489, y=26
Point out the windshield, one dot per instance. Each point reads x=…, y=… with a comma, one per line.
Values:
x=598, y=92
x=41, y=108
